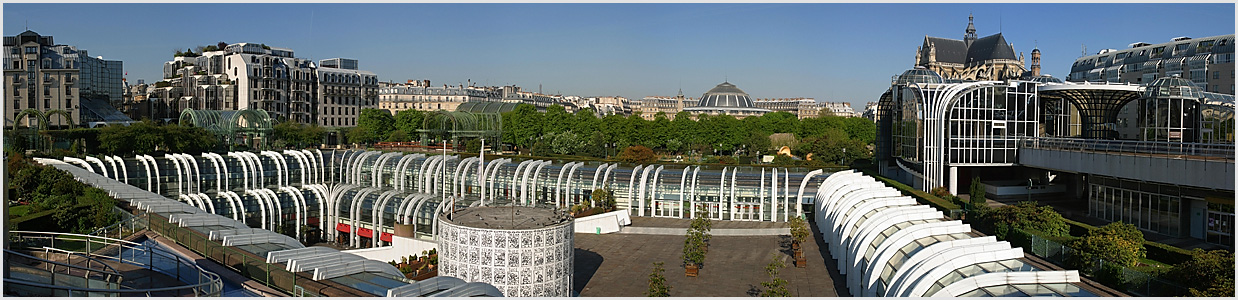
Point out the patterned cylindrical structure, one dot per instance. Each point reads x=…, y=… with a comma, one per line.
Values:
x=524, y=252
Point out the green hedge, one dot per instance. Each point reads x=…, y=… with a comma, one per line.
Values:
x=1156, y=251
x=40, y=221
x=921, y=196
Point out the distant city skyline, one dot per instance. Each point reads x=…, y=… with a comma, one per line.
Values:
x=830, y=52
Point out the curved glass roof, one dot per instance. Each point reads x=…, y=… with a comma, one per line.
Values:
x=1046, y=79
x=919, y=75
x=725, y=95
x=1173, y=87
x=486, y=107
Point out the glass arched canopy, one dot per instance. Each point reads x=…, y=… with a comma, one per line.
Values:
x=250, y=125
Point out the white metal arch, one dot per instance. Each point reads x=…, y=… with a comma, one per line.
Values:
x=965, y=285
x=872, y=272
x=966, y=259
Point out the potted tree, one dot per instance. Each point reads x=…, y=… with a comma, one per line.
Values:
x=693, y=253
x=799, y=233
x=701, y=225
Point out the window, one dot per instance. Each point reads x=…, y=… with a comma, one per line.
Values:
x=13, y=50
x=32, y=50
x=1205, y=46
x=68, y=103
x=1180, y=49
x=1156, y=52
x=1216, y=75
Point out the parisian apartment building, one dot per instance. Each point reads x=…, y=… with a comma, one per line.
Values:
x=240, y=76
x=56, y=83
x=422, y=95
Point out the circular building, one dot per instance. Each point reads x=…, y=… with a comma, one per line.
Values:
x=727, y=99
x=522, y=251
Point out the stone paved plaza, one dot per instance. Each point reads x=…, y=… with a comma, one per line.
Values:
x=618, y=265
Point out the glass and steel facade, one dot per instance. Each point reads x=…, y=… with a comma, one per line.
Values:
x=356, y=198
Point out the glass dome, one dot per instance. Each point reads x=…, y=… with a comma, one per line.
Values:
x=919, y=75
x=725, y=95
x=1046, y=79
x=1173, y=87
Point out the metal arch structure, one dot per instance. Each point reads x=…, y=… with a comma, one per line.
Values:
x=470, y=121
x=250, y=124
x=38, y=115
x=1098, y=104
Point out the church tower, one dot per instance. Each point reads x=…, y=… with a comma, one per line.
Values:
x=1035, y=62
x=971, y=32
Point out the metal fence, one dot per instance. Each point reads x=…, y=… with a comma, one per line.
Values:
x=199, y=282
x=1131, y=281
x=247, y=264
x=1190, y=151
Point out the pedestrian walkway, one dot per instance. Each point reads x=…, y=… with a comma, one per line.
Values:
x=679, y=227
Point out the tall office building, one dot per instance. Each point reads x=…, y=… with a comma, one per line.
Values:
x=60, y=83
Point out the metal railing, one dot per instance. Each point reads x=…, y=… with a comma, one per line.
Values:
x=200, y=281
x=1188, y=151
x=247, y=264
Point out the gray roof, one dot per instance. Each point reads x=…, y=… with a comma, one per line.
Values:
x=725, y=95
x=990, y=47
x=948, y=50
x=985, y=48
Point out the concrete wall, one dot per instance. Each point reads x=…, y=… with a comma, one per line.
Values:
x=609, y=222
x=400, y=246
x=1196, y=173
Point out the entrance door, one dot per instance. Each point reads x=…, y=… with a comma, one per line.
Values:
x=666, y=208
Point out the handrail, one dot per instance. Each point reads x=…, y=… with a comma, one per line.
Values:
x=82, y=254
x=43, y=260
x=1189, y=151
x=209, y=283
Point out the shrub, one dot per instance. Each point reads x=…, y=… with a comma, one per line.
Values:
x=799, y=229
x=775, y=287
x=977, y=192
x=1111, y=248
x=940, y=191
x=1027, y=216
x=657, y=282
x=1207, y=274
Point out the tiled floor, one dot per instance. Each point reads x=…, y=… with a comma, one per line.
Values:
x=618, y=265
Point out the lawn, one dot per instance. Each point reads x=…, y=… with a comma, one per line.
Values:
x=18, y=211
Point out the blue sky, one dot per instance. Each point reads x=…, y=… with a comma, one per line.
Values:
x=831, y=52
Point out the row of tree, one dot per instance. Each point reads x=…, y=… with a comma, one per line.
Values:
x=828, y=138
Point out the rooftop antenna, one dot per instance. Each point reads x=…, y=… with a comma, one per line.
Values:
x=999, y=22
x=1085, y=50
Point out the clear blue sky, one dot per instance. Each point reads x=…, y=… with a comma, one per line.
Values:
x=831, y=52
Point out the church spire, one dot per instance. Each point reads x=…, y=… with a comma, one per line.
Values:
x=971, y=31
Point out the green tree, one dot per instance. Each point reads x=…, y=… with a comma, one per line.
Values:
x=1027, y=216
x=657, y=282
x=603, y=198
x=1111, y=248
x=637, y=154
x=399, y=135
x=977, y=193
x=1207, y=274
x=775, y=287
x=375, y=124
x=557, y=120
x=799, y=229
x=409, y=120
x=758, y=141
x=522, y=126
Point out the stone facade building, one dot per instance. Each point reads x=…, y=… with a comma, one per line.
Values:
x=59, y=82
x=987, y=58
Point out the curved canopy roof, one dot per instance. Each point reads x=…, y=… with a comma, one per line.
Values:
x=726, y=95
x=486, y=107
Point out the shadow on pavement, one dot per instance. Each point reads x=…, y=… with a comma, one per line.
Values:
x=586, y=264
x=840, y=281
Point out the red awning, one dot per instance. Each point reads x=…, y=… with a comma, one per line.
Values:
x=386, y=237
x=343, y=227
x=365, y=232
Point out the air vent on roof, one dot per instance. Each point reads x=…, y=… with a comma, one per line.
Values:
x=1138, y=44
x=1181, y=38
x=1106, y=51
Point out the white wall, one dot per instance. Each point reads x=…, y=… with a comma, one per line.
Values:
x=400, y=247
x=609, y=222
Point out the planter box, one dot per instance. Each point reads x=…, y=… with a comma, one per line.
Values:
x=691, y=271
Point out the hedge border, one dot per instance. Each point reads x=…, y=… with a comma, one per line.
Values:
x=921, y=196
x=1155, y=251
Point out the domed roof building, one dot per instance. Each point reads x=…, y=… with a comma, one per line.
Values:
x=726, y=99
